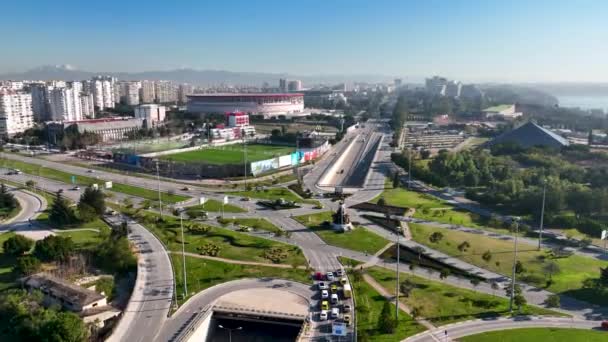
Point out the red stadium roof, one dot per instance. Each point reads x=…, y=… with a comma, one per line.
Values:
x=247, y=94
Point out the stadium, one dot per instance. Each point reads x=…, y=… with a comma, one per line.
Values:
x=267, y=104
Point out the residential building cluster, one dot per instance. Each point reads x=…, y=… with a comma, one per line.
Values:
x=442, y=86
x=22, y=103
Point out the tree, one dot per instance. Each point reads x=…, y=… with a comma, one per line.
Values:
x=386, y=322
x=604, y=276
x=406, y=287
x=475, y=282
x=551, y=268
x=30, y=183
x=464, y=246
x=8, y=202
x=395, y=180
x=419, y=250
x=86, y=213
x=381, y=202
x=487, y=256
x=520, y=301
x=519, y=267
x=61, y=213
x=436, y=237
x=17, y=245
x=54, y=248
x=444, y=273
x=553, y=301
x=114, y=255
x=26, y=265
x=64, y=327
x=94, y=198
x=494, y=287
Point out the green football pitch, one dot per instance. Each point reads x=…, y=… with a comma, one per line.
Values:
x=231, y=154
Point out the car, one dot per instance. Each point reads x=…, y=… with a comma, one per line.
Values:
x=60, y=191
x=15, y=150
x=335, y=312
x=324, y=294
x=318, y=276
x=185, y=188
x=340, y=272
x=91, y=171
x=111, y=212
x=318, y=206
x=245, y=199
x=334, y=288
x=343, y=280
x=604, y=325
x=347, y=320
x=324, y=305
x=330, y=276
x=334, y=299
x=323, y=286
x=323, y=315
x=76, y=188
x=346, y=308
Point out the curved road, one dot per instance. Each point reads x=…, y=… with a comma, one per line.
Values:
x=457, y=330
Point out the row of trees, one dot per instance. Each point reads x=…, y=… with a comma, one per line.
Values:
x=90, y=207
x=8, y=202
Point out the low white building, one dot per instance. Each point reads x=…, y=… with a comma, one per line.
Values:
x=506, y=111
x=153, y=114
x=15, y=112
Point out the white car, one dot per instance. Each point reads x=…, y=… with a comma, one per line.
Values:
x=330, y=276
x=323, y=315
x=340, y=272
x=335, y=312
x=334, y=299
x=323, y=286
x=324, y=294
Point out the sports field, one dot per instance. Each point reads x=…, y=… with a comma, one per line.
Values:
x=231, y=154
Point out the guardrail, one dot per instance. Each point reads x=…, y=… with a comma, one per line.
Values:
x=191, y=325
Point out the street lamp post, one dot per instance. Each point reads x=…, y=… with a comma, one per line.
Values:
x=513, y=269
x=409, y=171
x=542, y=216
x=397, y=289
x=160, y=200
x=181, y=223
x=230, y=330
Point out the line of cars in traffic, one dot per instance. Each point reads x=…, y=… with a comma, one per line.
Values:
x=335, y=292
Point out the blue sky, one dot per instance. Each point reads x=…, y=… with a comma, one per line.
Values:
x=490, y=40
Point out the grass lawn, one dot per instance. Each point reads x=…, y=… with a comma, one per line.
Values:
x=274, y=194
x=216, y=206
x=231, y=154
x=573, y=270
x=538, y=334
x=428, y=207
x=349, y=262
x=256, y=223
x=233, y=245
x=86, y=239
x=442, y=304
x=369, y=304
x=206, y=273
x=65, y=177
x=360, y=239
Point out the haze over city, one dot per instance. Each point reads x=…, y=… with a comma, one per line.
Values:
x=473, y=41
x=323, y=171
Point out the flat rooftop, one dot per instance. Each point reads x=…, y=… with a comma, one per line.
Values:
x=266, y=302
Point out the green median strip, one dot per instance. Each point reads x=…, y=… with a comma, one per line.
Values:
x=538, y=334
x=65, y=177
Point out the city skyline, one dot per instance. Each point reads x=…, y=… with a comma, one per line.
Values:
x=472, y=41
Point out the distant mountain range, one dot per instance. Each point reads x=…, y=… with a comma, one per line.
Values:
x=192, y=76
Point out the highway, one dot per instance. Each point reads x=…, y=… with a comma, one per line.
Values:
x=457, y=330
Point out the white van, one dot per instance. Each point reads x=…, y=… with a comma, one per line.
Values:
x=335, y=313
x=334, y=299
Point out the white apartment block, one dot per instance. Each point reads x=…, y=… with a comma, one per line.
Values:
x=147, y=92
x=87, y=105
x=40, y=102
x=129, y=92
x=12, y=85
x=15, y=112
x=153, y=114
x=63, y=106
x=103, y=91
x=165, y=92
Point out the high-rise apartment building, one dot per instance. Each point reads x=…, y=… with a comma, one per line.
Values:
x=183, y=90
x=147, y=92
x=15, y=112
x=294, y=85
x=40, y=102
x=282, y=84
x=165, y=92
x=102, y=88
x=129, y=92
x=153, y=114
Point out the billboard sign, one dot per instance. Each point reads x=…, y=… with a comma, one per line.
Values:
x=264, y=166
x=108, y=185
x=285, y=161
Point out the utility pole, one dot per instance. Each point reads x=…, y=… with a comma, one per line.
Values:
x=514, y=263
x=397, y=289
x=245, y=156
x=181, y=223
x=542, y=216
x=160, y=199
x=409, y=171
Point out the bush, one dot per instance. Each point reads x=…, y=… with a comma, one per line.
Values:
x=275, y=254
x=553, y=301
x=54, y=248
x=209, y=249
x=17, y=245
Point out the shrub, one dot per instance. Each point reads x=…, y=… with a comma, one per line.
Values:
x=17, y=245
x=27, y=265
